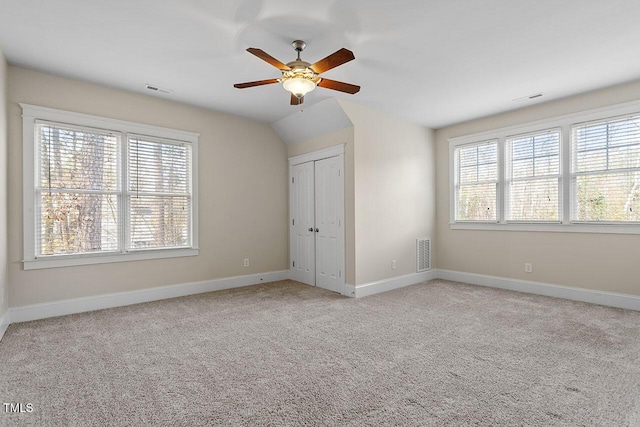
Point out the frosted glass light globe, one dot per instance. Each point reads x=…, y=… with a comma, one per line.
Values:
x=298, y=86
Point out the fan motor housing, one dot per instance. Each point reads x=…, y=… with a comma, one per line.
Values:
x=294, y=65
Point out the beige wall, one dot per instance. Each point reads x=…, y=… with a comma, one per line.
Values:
x=331, y=139
x=607, y=262
x=389, y=191
x=4, y=278
x=242, y=193
x=394, y=192
x=342, y=136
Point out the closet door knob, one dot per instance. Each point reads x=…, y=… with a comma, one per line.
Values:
x=317, y=230
x=311, y=229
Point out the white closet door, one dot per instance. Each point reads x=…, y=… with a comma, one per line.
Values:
x=304, y=269
x=328, y=184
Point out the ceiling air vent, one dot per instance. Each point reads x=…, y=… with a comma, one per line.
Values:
x=423, y=254
x=528, y=97
x=158, y=89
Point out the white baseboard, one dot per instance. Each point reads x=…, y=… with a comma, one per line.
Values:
x=611, y=299
x=99, y=302
x=80, y=305
x=393, y=283
x=349, y=290
x=4, y=323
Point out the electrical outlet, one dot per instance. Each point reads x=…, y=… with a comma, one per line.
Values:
x=393, y=264
x=246, y=262
x=528, y=268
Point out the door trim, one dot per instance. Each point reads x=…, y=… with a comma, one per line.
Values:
x=334, y=151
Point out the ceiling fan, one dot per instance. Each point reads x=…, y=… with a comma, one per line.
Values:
x=299, y=77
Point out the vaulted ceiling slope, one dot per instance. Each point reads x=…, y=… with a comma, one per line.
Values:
x=432, y=62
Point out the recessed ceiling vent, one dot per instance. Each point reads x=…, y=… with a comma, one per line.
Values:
x=158, y=89
x=423, y=254
x=528, y=97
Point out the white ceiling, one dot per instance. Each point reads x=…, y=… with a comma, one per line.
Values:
x=433, y=62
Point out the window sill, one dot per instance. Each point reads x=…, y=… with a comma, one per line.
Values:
x=74, y=260
x=561, y=228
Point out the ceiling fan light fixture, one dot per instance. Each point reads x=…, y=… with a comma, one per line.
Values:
x=299, y=86
x=300, y=77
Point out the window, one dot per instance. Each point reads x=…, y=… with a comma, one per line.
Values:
x=159, y=195
x=533, y=177
x=606, y=170
x=579, y=172
x=477, y=181
x=76, y=190
x=101, y=190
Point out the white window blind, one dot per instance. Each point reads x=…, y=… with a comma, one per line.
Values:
x=606, y=171
x=159, y=195
x=77, y=189
x=533, y=177
x=476, y=184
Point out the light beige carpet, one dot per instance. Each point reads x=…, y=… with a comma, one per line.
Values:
x=438, y=353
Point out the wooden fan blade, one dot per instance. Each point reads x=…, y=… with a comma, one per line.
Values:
x=268, y=58
x=295, y=100
x=340, y=86
x=257, y=83
x=336, y=58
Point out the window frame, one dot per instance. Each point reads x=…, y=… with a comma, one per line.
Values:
x=33, y=113
x=564, y=123
x=508, y=179
x=573, y=174
x=457, y=185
